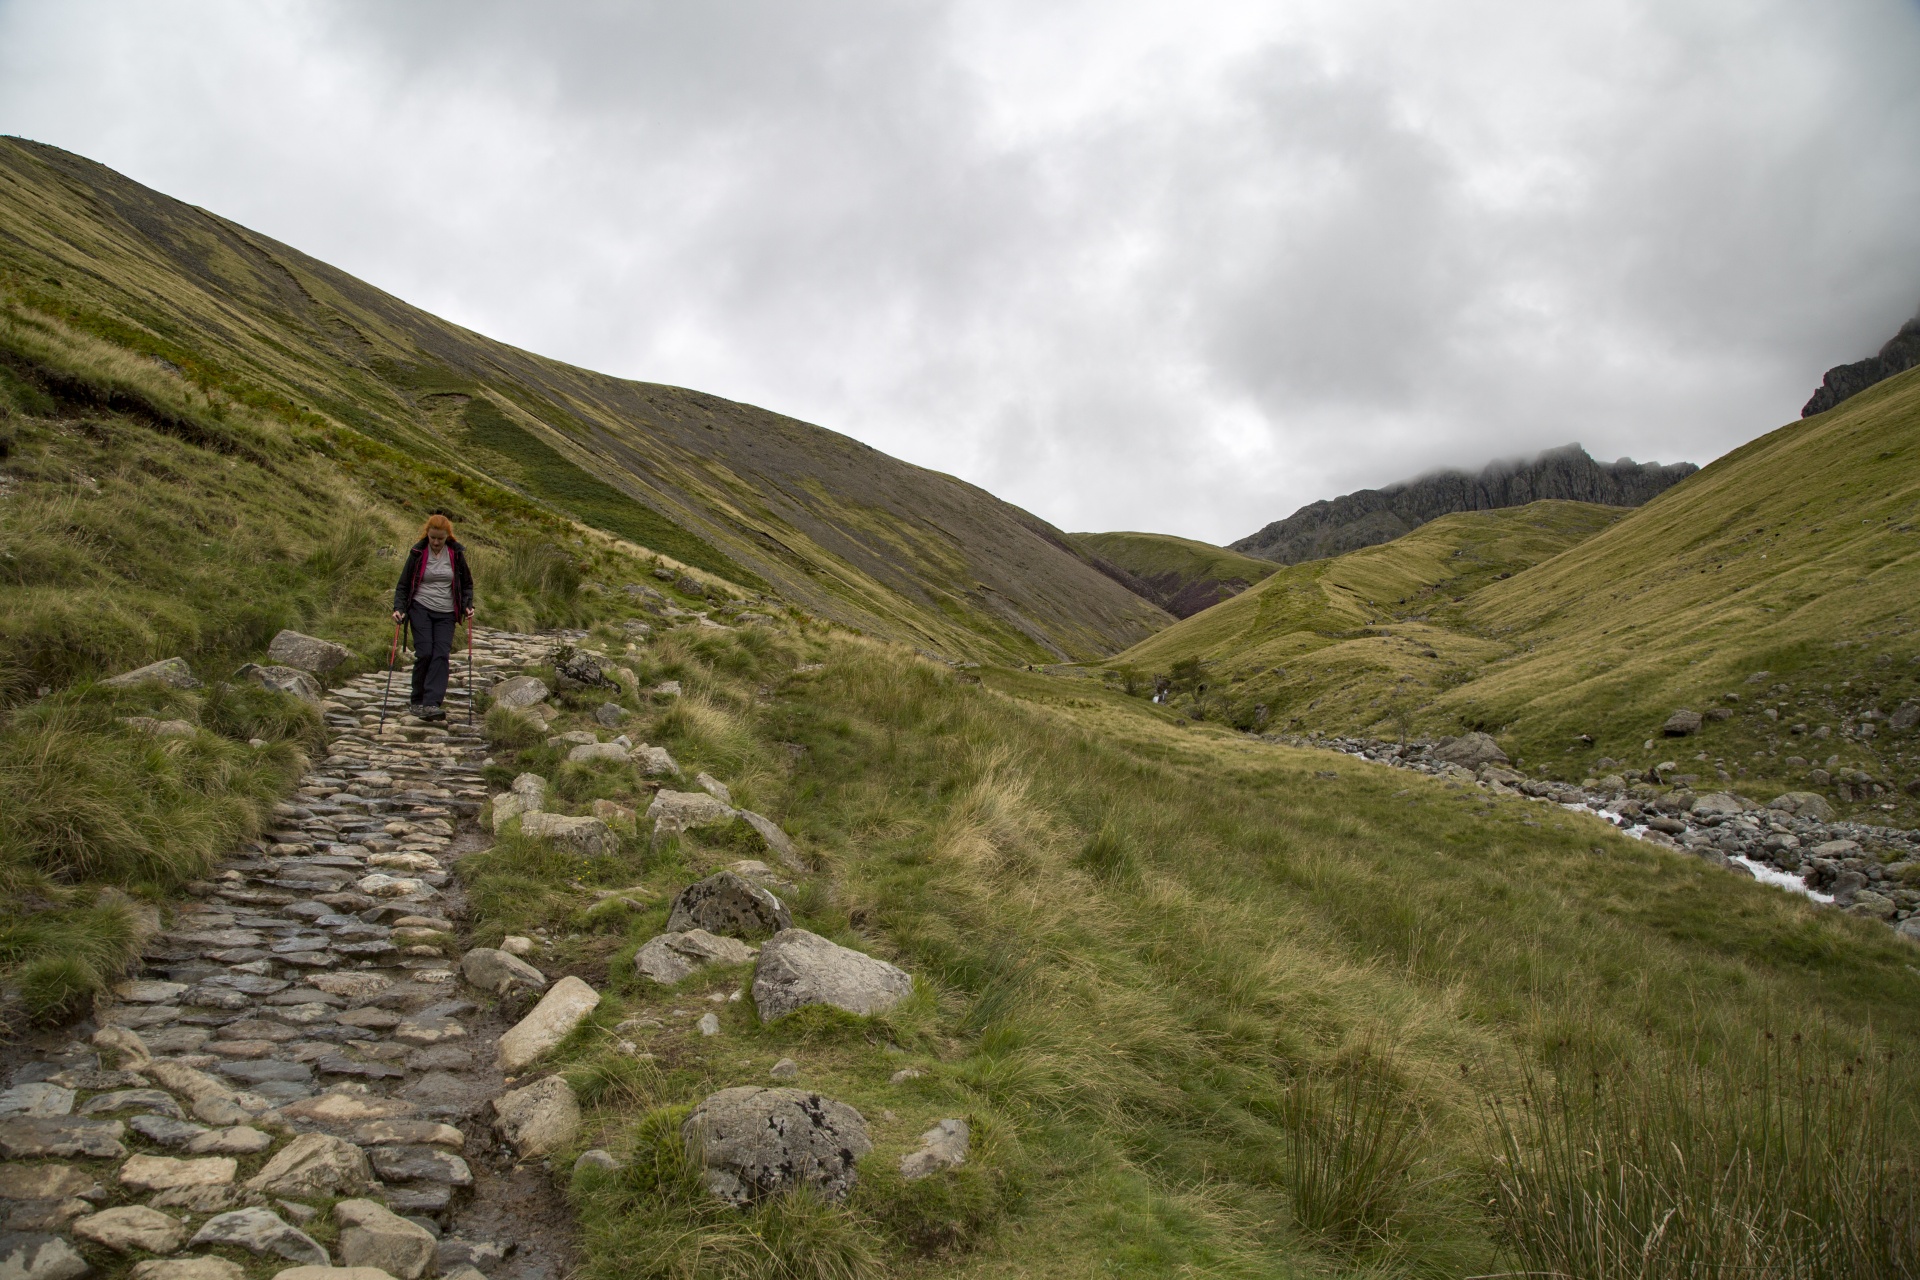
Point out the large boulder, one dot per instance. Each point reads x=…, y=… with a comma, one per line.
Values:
x=282, y=680
x=755, y=1143
x=798, y=968
x=519, y=693
x=589, y=837
x=315, y=1164
x=557, y=1014
x=672, y=956
x=1804, y=804
x=1718, y=804
x=675, y=811
x=730, y=904
x=373, y=1236
x=539, y=1119
x=1469, y=750
x=1682, y=724
x=172, y=672
x=308, y=653
x=498, y=972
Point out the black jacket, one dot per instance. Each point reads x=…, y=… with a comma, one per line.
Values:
x=416, y=567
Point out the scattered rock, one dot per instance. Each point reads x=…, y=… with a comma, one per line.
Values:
x=596, y=1159
x=1470, y=750
x=785, y=1069
x=942, y=1147
x=1682, y=723
x=713, y=787
x=667, y=689
x=373, y=1236
x=152, y=1101
x=798, y=968
x=1718, y=804
x=238, y=1140
x=709, y=1024
x=654, y=762
x=611, y=714
x=132, y=1227
x=519, y=692
x=132, y=1051
x=314, y=1164
x=168, y=1132
x=587, y=753
x=758, y=1142
x=173, y=672
x=558, y=1013
x=282, y=680
x=588, y=837
x=515, y=945
x=905, y=1074
x=538, y=1119
x=669, y=957
x=728, y=903
x=261, y=1231
x=500, y=972
x=308, y=653
x=776, y=839
x=41, y=1100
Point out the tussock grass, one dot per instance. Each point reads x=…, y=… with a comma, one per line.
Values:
x=1353, y=1139
x=1781, y=1165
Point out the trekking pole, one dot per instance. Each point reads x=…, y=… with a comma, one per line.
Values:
x=393, y=656
x=469, y=669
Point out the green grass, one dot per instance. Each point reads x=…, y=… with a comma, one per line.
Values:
x=1182, y=576
x=1218, y=1012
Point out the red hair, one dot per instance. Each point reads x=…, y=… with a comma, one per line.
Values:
x=437, y=521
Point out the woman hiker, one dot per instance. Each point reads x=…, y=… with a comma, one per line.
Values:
x=435, y=590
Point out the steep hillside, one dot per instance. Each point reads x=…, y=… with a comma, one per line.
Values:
x=1773, y=592
x=1180, y=575
x=1373, y=516
x=1332, y=642
x=761, y=500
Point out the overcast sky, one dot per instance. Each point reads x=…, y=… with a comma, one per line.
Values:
x=1170, y=266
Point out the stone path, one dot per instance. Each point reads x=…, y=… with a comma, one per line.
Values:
x=299, y=1033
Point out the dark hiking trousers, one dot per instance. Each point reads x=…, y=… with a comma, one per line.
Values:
x=432, y=648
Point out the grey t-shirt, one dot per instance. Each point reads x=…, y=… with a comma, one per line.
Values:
x=436, y=583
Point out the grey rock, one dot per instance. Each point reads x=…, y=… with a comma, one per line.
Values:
x=673, y=812
x=1904, y=717
x=156, y=1102
x=538, y=1119
x=31, y=1255
x=38, y=1099
x=166, y=1131
x=519, y=692
x=798, y=968
x=131, y=1227
x=669, y=957
x=207, y=1268
x=589, y=752
x=759, y=1142
x=1469, y=751
x=713, y=787
x=236, y=1140
x=172, y=672
x=611, y=714
x=420, y=1164
x=777, y=841
x=262, y=1231
x=30, y=1138
x=314, y=1164
x=785, y=1069
x=1718, y=804
x=307, y=653
x=589, y=837
x=260, y=1072
x=557, y=1014
x=942, y=1147
x=596, y=1159
x=282, y=680
x=498, y=972
x=1875, y=906
x=167, y=1173
x=1804, y=804
x=47, y=1182
x=1682, y=723
x=654, y=762
x=729, y=904
x=373, y=1236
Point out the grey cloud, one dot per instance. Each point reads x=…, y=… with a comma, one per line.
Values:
x=1129, y=265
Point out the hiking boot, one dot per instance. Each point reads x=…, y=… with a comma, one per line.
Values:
x=435, y=712
x=417, y=711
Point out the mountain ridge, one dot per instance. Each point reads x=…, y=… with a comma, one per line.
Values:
x=1369, y=517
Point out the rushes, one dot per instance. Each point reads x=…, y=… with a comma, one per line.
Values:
x=1351, y=1143
x=1785, y=1169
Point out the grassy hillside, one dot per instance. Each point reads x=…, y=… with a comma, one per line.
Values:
x=1210, y=1006
x=1178, y=574
x=758, y=499
x=1771, y=590
x=1357, y=638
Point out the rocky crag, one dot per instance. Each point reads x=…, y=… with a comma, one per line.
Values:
x=1791, y=841
x=1370, y=517
x=1901, y=353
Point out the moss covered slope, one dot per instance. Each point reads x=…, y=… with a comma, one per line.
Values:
x=1180, y=575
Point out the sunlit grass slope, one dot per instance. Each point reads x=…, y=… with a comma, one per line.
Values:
x=1181, y=575
x=1353, y=638
x=1163, y=968
x=833, y=525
